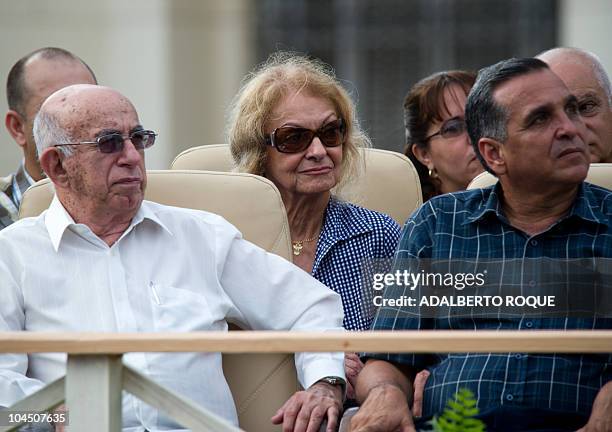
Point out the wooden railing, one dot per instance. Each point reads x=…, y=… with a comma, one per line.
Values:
x=94, y=362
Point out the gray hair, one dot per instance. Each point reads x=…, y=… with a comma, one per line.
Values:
x=578, y=56
x=48, y=132
x=484, y=117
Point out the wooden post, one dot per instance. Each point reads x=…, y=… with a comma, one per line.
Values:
x=93, y=392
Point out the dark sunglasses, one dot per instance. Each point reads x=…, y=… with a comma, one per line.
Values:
x=451, y=128
x=114, y=142
x=289, y=139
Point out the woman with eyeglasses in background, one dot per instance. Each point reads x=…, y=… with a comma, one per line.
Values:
x=293, y=123
x=438, y=145
x=436, y=138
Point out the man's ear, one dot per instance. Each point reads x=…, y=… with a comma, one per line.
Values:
x=52, y=163
x=492, y=152
x=15, y=124
x=422, y=154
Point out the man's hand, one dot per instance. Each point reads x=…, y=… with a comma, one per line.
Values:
x=352, y=367
x=384, y=410
x=601, y=414
x=306, y=410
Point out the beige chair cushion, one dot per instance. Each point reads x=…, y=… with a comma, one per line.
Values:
x=390, y=184
x=211, y=157
x=482, y=180
x=599, y=174
x=260, y=383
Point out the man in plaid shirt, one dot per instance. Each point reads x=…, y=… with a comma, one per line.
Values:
x=526, y=129
x=30, y=81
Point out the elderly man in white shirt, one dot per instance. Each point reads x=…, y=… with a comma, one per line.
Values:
x=102, y=259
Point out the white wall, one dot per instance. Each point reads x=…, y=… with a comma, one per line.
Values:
x=586, y=24
x=180, y=62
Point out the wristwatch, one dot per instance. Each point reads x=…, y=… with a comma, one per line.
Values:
x=335, y=381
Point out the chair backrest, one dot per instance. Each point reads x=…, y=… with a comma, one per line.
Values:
x=211, y=157
x=260, y=383
x=390, y=184
x=600, y=174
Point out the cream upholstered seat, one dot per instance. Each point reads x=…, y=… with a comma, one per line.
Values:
x=260, y=383
x=390, y=184
x=599, y=174
x=211, y=157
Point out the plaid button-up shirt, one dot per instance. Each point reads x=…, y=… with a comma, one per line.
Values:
x=12, y=188
x=469, y=225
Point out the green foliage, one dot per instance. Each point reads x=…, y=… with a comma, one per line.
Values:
x=458, y=416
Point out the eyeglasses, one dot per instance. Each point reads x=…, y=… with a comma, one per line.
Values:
x=451, y=128
x=289, y=139
x=114, y=142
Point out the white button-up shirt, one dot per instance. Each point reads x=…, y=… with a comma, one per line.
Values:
x=171, y=270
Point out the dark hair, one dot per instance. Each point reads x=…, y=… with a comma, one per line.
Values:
x=483, y=115
x=16, y=88
x=423, y=105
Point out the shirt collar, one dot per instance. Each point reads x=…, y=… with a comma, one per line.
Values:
x=23, y=177
x=5, y=182
x=585, y=206
x=146, y=212
x=58, y=220
x=491, y=205
x=341, y=223
x=19, y=183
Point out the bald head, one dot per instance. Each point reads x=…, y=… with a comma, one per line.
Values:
x=40, y=73
x=83, y=99
x=69, y=114
x=586, y=78
x=34, y=77
x=97, y=184
x=563, y=60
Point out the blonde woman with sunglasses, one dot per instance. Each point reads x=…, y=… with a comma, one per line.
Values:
x=294, y=123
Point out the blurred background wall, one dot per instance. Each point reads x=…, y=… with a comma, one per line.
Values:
x=182, y=61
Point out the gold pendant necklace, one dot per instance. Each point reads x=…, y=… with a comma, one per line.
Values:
x=298, y=245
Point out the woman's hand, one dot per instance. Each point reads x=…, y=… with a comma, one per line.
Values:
x=352, y=367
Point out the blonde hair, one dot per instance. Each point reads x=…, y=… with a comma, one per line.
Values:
x=261, y=92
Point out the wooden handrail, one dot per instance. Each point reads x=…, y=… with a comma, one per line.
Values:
x=540, y=341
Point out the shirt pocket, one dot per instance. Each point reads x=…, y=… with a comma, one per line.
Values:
x=179, y=310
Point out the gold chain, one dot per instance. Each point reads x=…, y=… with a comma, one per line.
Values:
x=298, y=245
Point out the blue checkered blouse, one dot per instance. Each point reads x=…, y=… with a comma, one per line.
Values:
x=471, y=224
x=350, y=235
